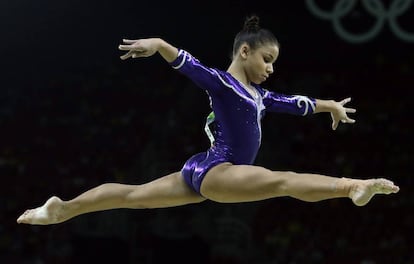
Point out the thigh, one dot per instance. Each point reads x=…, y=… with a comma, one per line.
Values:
x=170, y=190
x=242, y=183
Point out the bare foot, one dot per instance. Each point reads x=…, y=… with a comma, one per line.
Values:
x=49, y=213
x=362, y=191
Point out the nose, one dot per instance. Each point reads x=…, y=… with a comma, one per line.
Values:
x=269, y=69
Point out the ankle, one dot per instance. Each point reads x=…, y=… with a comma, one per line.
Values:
x=343, y=186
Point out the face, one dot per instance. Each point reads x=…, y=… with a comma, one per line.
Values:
x=258, y=64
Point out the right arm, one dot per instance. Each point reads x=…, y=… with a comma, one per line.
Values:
x=148, y=47
x=205, y=77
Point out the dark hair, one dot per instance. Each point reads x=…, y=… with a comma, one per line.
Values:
x=253, y=35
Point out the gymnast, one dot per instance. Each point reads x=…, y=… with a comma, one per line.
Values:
x=225, y=172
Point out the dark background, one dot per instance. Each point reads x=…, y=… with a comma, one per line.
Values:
x=73, y=116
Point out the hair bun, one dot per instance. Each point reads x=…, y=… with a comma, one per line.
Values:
x=252, y=23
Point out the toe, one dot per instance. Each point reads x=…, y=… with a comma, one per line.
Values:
x=21, y=218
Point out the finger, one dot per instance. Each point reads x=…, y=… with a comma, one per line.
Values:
x=345, y=101
x=127, y=55
x=139, y=54
x=129, y=41
x=334, y=125
x=348, y=120
x=125, y=47
x=350, y=110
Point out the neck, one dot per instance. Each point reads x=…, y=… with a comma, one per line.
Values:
x=238, y=74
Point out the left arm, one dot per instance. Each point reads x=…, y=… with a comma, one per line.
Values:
x=337, y=109
x=304, y=105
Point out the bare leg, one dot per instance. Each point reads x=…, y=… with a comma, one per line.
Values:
x=167, y=191
x=241, y=183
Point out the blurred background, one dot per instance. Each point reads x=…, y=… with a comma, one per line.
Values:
x=73, y=116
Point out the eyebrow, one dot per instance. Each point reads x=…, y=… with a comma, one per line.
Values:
x=270, y=55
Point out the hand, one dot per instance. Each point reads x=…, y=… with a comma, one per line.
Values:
x=339, y=113
x=139, y=48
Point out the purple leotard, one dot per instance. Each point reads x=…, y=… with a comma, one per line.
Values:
x=235, y=119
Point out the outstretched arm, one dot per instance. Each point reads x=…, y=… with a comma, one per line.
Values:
x=148, y=47
x=339, y=112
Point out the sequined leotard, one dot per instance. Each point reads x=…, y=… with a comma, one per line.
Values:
x=234, y=125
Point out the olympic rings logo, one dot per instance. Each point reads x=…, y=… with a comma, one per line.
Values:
x=374, y=8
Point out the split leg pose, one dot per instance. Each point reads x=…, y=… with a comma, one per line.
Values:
x=225, y=172
x=224, y=183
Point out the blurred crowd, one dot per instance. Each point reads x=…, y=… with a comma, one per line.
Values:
x=132, y=125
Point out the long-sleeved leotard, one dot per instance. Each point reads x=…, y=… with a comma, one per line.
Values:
x=234, y=126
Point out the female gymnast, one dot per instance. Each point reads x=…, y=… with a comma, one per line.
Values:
x=224, y=173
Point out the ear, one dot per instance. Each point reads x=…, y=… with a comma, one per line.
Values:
x=244, y=50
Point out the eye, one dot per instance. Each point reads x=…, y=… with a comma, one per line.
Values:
x=267, y=59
